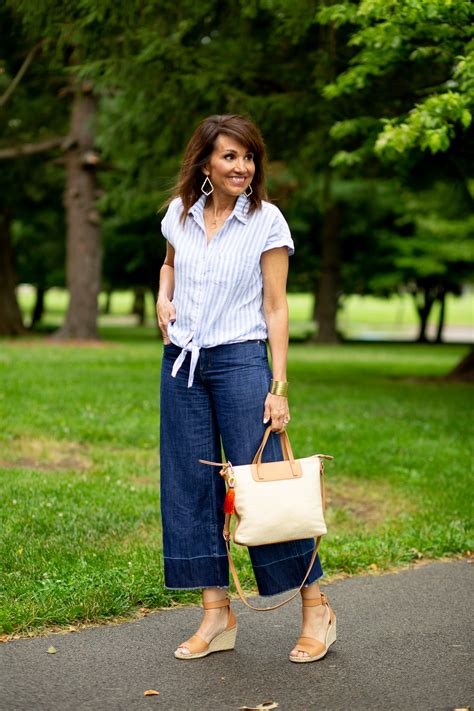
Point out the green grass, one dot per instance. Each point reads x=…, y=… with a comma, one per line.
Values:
x=81, y=537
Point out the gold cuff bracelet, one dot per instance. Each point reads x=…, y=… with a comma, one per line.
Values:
x=279, y=387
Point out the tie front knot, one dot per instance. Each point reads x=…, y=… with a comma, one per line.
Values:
x=194, y=350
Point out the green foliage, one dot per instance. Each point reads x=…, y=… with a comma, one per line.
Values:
x=31, y=187
x=431, y=42
x=438, y=245
x=431, y=125
x=352, y=98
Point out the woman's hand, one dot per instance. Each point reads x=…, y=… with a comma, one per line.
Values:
x=276, y=410
x=166, y=314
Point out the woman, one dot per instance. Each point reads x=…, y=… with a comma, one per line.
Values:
x=222, y=294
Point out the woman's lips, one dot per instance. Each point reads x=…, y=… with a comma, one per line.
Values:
x=237, y=180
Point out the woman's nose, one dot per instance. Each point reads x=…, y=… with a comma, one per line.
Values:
x=240, y=165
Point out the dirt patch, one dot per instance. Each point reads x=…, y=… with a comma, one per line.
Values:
x=364, y=503
x=45, y=455
x=145, y=480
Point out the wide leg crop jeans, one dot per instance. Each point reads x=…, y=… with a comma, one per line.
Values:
x=225, y=404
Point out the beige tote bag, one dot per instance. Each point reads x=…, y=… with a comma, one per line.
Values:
x=274, y=502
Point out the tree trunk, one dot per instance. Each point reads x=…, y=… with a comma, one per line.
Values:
x=327, y=294
x=442, y=313
x=464, y=370
x=108, y=301
x=154, y=292
x=428, y=297
x=84, y=254
x=39, y=306
x=139, y=304
x=11, y=323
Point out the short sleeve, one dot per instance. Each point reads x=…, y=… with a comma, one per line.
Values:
x=170, y=222
x=280, y=235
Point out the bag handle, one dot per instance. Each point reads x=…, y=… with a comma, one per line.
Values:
x=286, y=450
x=226, y=534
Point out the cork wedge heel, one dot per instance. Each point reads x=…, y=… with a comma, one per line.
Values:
x=198, y=647
x=313, y=647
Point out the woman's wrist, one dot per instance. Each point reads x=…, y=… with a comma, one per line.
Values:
x=163, y=299
x=279, y=387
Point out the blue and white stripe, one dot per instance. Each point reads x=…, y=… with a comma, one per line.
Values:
x=218, y=286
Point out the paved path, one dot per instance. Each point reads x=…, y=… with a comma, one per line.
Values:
x=403, y=643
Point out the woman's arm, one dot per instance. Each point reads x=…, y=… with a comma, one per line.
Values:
x=165, y=311
x=274, y=263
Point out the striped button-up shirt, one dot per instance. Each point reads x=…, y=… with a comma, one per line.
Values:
x=218, y=286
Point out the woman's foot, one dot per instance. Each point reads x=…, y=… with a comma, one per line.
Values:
x=216, y=633
x=318, y=629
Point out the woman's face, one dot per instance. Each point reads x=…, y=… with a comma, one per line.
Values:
x=230, y=167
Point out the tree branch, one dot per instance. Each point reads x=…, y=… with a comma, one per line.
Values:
x=29, y=149
x=20, y=74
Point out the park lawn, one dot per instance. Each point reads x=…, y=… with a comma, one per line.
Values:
x=80, y=530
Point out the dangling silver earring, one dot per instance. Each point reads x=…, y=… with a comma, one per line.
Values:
x=210, y=186
x=247, y=189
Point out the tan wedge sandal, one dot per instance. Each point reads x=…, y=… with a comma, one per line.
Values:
x=313, y=647
x=198, y=647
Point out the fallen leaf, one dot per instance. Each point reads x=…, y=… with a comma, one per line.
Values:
x=264, y=706
x=145, y=610
x=373, y=566
x=52, y=650
x=151, y=692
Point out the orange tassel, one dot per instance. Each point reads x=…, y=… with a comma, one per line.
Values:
x=229, y=501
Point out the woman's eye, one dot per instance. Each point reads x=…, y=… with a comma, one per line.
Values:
x=231, y=156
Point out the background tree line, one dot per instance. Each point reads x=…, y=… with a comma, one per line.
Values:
x=366, y=108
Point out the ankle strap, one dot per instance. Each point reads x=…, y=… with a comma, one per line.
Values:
x=216, y=603
x=315, y=601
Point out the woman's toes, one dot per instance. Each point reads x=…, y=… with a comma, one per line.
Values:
x=297, y=653
x=183, y=650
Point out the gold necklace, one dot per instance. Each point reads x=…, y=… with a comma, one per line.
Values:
x=216, y=220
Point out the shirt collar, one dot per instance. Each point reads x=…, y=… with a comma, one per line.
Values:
x=240, y=210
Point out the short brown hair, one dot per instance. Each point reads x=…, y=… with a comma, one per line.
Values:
x=200, y=147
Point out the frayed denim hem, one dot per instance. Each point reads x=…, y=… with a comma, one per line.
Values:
x=306, y=585
x=281, y=560
x=284, y=590
x=199, y=587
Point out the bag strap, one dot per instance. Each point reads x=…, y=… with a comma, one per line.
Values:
x=239, y=587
